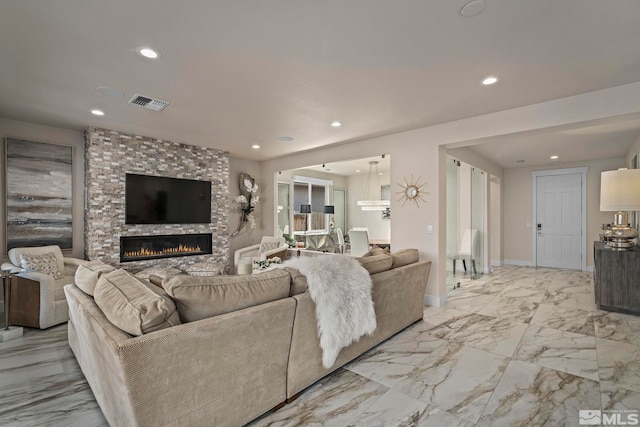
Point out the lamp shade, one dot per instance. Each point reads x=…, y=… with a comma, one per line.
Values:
x=620, y=190
x=306, y=209
x=328, y=209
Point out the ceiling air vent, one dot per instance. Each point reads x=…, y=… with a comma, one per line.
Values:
x=148, y=103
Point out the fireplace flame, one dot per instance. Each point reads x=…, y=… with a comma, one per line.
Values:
x=180, y=249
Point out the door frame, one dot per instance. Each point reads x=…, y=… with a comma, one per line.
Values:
x=346, y=204
x=569, y=171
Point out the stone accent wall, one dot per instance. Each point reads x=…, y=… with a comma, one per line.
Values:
x=110, y=155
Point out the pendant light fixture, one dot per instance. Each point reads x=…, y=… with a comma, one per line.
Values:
x=372, y=202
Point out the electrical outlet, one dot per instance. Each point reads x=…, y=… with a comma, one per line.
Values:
x=429, y=228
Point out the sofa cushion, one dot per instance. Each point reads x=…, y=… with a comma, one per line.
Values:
x=405, y=257
x=202, y=297
x=14, y=254
x=376, y=263
x=134, y=306
x=45, y=263
x=88, y=273
x=298, y=282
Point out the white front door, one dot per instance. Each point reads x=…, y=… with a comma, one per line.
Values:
x=558, y=221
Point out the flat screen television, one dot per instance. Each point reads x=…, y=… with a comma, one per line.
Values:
x=161, y=200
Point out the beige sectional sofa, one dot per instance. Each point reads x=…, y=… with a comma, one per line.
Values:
x=240, y=345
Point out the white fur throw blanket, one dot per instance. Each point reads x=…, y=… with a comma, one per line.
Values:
x=341, y=290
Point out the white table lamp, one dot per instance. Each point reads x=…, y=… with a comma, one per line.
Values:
x=620, y=192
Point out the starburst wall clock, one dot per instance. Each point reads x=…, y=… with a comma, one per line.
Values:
x=411, y=191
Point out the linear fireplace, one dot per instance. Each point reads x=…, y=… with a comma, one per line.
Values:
x=136, y=248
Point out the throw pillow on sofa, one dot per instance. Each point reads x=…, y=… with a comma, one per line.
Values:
x=377, y=250
x=376, y=263
x=405, y=257
x=42, y=263
x=202, y=297
x=88, y=273
x=133, y=305
x=298, y=281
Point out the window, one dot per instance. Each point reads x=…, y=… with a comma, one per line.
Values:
x=315, y=192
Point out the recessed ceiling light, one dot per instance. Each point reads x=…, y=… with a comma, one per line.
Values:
x=490, y=80
x=255, y=146
x=554, y=157
x=109, y=91
x=97, y=112
x=285, y=138
x=357, y=170
x=380, y=173
x=519, y=161
x=148, y=52
x=336, y=124
x=473, y=8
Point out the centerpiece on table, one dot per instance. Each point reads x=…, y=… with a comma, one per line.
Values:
x=264, y=264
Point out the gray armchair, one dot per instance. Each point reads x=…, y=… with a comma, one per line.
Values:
x=37, y=298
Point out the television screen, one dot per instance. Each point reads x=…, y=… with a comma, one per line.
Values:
x=161, y=200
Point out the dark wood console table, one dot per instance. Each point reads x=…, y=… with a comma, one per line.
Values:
x=617, y=279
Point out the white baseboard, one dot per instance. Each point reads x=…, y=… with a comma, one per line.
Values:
x=518, y=262
x=434, y=301
x=497, y=263
x=521, y=263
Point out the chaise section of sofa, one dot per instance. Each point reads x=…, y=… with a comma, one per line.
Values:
x=398, y=298
x=223, y=370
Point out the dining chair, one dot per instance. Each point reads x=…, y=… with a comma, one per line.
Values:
x=359, y=240
x=341, y=244
x=467, y=250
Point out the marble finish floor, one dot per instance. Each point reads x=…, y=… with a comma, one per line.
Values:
x=520, y=346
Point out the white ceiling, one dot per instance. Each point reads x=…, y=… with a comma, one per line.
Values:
x=604, y=141
x=355, y=167
x=239, y=73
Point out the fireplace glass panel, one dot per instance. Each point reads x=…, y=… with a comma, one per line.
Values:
x=136, y=248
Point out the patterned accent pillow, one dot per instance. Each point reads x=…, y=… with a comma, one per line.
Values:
x=42, y=263
x=268, y=244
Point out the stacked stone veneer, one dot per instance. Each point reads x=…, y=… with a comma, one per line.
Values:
x=110, y=155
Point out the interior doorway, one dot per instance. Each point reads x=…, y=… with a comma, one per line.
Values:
x=466, y=222
x=559, y=218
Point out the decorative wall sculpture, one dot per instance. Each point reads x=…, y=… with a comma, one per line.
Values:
x=247, y=201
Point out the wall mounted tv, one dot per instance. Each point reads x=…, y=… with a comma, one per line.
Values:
x=161, y=200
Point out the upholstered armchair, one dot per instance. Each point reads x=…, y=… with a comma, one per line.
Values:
x=269, y=247
x=37, y=297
